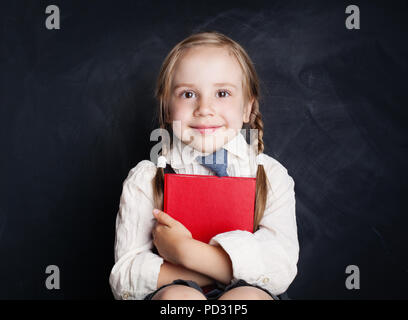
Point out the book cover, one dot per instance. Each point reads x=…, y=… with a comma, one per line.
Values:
x=209, y=205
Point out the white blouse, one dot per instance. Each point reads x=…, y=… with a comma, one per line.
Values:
x=267, y=258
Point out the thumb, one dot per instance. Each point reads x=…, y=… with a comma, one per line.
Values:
x=163, y=217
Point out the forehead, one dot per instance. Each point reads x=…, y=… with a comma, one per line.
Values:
x=207, y=64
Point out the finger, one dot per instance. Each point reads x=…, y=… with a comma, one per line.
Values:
x=164, y=218
x=158, y=229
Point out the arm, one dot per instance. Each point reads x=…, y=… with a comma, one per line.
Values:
x=138, y=270
x=175, y=243
x=170, y=272
x=207, y=259
x=268, y=257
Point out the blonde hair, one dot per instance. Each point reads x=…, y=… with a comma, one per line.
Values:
x=251, y=90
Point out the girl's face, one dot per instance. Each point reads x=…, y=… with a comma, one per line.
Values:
x=207, y=104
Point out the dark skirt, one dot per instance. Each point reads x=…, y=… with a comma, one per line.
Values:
x=215, y=293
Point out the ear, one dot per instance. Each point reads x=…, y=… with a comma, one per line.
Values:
x=247, y=110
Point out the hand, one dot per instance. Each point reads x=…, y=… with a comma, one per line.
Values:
x=168, y=236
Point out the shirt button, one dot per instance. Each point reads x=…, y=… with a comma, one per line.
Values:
x=125, y=296
x=265, y=280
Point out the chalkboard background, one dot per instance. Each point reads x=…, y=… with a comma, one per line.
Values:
x=77, y=109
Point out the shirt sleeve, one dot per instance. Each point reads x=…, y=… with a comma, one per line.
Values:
x=267, y=258
x=136, y=269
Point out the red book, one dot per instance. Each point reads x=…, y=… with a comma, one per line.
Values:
x=209, y=205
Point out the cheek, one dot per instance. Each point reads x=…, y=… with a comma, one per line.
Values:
x=233, y=115
x=236, y=122
x=180, y=110
x=180, y=114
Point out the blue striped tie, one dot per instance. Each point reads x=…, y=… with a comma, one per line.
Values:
x=216, y=161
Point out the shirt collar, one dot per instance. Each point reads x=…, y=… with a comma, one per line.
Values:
x=182, y=154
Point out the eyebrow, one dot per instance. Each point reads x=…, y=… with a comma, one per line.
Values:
x=219, y=84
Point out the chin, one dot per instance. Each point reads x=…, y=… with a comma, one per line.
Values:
x=207, y=145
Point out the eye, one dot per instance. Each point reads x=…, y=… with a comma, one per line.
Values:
x=187, y=94
x=223, y=93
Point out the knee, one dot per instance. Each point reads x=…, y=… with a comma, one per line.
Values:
x=245, y=293
x=178, y=292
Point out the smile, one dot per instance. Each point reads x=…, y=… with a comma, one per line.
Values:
x=206, y=130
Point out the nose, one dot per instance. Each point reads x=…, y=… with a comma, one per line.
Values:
x=204, y=107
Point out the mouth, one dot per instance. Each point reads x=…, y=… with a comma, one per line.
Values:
x=206, y=129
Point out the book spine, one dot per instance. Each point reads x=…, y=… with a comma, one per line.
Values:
x=165, y=194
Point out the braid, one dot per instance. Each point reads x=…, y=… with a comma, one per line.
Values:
x=158, y=180
x=158, y=183
x=261, y=179
x=258, y=124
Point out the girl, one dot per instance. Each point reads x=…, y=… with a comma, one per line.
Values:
x=207, y=90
